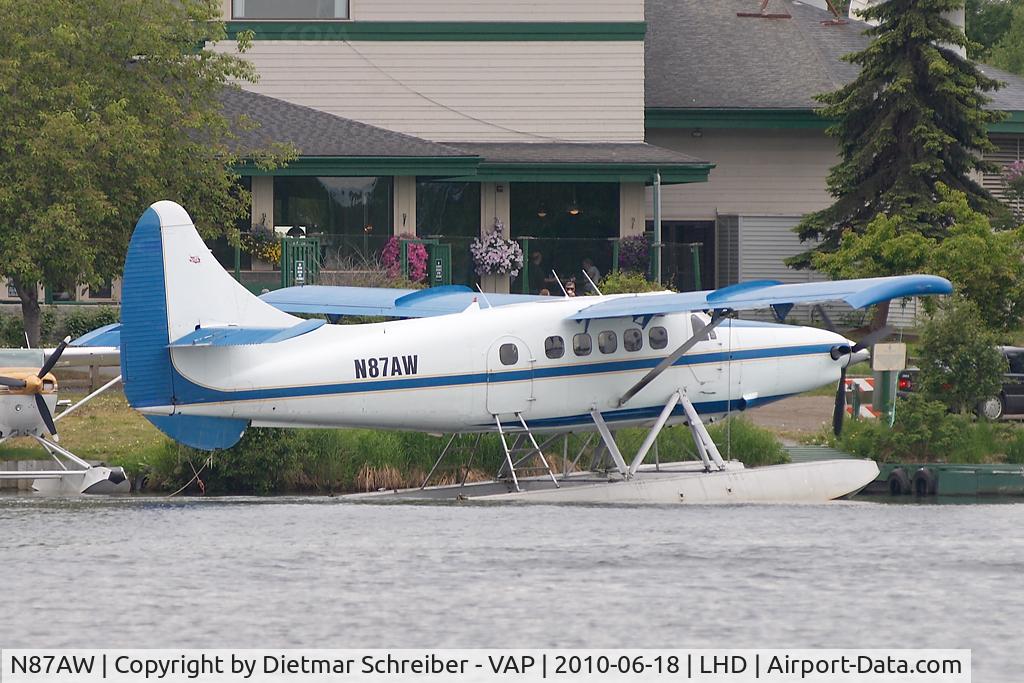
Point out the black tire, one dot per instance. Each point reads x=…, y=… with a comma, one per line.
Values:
x=991, y=408
x=899, y=482
x=926, y=483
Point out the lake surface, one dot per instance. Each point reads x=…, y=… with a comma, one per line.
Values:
x=321, y=572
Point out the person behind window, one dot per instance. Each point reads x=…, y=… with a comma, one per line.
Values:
x=570, y=287
x=593, y=273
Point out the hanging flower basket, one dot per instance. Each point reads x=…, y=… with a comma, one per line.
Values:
x=634, y=254
x=415, y=253
x=495, y=255
x=261, y=242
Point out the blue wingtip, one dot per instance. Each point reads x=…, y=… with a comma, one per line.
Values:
x=898, y=287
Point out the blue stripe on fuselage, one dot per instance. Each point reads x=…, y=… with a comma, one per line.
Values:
x=191, y=393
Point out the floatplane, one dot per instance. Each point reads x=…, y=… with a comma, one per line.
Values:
x=203, y=359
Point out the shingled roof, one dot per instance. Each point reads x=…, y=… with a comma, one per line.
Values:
x=319, y=134
x=700, y=55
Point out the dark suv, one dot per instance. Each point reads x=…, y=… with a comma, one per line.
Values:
x=1010, y=400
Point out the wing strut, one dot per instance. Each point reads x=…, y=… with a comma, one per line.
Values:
x=698, y=335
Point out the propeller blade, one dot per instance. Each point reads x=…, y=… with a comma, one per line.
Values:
x=54, y=357
x=871, y=338
x=840, y=409
x=12, y=382
x=44, y=412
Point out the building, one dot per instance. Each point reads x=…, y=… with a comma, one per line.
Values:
x=739, y=91
x=436, y=119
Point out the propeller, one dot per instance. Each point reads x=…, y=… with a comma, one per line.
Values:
x=36, y=386
x=840, y=350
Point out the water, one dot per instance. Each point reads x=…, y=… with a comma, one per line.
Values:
x=291, y=572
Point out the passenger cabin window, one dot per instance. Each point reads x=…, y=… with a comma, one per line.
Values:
x=293, y=9
x=658, y=336
x=633, y=339
x=607, y=341
x=509, y=354
x=582, y=345
x=554, y=347
x=696, y=323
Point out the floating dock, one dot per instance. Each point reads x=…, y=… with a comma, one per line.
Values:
x=928, y=479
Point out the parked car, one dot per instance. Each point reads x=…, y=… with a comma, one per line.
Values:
x=1009, y=401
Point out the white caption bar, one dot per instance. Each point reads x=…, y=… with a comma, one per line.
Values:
x=430, y=666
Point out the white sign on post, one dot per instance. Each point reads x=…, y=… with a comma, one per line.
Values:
x=889, y=357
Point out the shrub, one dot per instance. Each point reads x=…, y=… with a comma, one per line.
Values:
x=87, y=318
x=960, y=364
x=742, y=440
x=624, y=282
x=12, y=328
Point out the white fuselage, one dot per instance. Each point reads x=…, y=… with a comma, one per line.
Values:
x=448, y=373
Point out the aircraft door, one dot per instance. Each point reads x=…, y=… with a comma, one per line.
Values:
x=710, y=374
x=509, y=377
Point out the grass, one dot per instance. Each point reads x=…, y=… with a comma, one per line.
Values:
x=321, y=460
x=104, y=429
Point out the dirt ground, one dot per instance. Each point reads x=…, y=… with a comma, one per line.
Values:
x=794, y=416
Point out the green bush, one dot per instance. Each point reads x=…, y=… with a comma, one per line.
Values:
x=925, y=431
x=84, y=319
x=626, y=282
x=12, y=329
x=752, y=445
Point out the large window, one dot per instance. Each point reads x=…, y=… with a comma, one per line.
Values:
x=449, y=211
x=333, y=206
x=570, y=223
x=289, y=9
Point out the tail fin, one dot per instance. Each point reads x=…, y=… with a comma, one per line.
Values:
x=172, y=286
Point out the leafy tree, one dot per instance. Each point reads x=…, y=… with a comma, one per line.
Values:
x=105, y=107
x=984, y=265
x=960, y=364
x=912, y=119
x=987, y=22
x=1008, y=52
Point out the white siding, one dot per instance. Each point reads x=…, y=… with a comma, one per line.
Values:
x=491, y=10
x=479, y=91
x=757, y=172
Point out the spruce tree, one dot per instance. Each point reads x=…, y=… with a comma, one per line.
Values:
x=915, y=117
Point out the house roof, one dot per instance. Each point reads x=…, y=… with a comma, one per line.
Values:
x=594, y=161
x=700, y=55
x=318, y=134
x=332, y=145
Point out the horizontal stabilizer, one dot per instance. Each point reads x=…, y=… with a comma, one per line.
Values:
x=243, y=336
x=205, y=433
x=765, y=293
x=106, y=336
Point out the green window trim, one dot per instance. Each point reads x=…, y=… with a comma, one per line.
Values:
x=798, y=119
x=475, y=170
x=339, y=30
x=592, y=172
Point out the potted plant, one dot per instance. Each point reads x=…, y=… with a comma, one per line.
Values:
x=496, y=259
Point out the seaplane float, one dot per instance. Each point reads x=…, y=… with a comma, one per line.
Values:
x=203, y=359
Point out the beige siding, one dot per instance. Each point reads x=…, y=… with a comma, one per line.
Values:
x=757, y=172
x=480, y=91
x=490, y=10
x=497, y=10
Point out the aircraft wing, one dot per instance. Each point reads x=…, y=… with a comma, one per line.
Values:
x=761, y=294
x=100, y=347
x=382, y=301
